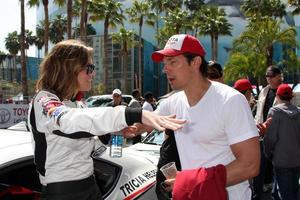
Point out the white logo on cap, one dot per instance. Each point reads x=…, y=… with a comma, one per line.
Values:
x=175, y=42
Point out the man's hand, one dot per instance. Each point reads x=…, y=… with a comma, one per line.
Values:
x=169, y=184
x=262, y=127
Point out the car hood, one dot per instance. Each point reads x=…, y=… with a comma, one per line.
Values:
x=14, y=145
x=150, y=151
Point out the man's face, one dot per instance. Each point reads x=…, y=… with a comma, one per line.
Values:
x=117, y=99
x=274, y=80
x=178, y=71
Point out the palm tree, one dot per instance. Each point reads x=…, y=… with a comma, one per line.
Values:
x=126, y=40
x=109, y=11
x=39, y=40
x=23, y=59
x=58, y=28
x=195, y=13
x=215, y=23
x=45, y=3
x=83, y=20
x=163, y=6
x=12, y=44
x=295, y=3
x=265, y=33
x=193, y=5
x=70, y=17
x=176, y=22
x=257, y=9
x=257, y=44
x=90, y=30
x=76, y=12
x=137, y=13
x=2, y=58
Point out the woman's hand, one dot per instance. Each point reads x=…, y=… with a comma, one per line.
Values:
x=161, y=123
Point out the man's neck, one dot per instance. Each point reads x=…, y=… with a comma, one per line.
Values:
x=197, y=91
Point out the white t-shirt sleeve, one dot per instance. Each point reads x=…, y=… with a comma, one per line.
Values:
x=238, y=120
x=163, y=107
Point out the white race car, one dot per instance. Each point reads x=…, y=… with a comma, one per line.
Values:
x=130, y=177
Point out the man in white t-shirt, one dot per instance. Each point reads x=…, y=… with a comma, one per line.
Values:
x=149, y=101
x=220, y=128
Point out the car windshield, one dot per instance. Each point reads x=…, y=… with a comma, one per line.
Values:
x=103, y=100
x=155, y=137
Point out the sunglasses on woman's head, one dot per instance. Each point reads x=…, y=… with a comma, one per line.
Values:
x=90, y=68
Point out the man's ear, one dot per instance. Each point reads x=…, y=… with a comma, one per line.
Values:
x=197, y=61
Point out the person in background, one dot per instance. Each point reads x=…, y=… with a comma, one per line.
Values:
x=136, y=102
x=215, y=71
x=63, y=128
x=266, y=100
x=220, y=132
x=282, y=143
x=117, y=99
x=245, y=87
x=149, y=103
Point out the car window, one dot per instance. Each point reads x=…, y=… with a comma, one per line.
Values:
x=155, y=137
x=100, y=102
x=107, y=175
x=20, y=180
x=126, y=99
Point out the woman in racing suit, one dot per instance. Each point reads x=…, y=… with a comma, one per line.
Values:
x=63, y=128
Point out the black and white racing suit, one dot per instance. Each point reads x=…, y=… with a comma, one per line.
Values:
x=63, y=135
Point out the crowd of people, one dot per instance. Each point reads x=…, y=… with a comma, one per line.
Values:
x=225, y=143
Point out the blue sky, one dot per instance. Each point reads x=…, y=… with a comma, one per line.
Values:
x=10, y=20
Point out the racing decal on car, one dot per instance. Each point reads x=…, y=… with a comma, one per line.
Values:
x=140, y=192
x=137, y=182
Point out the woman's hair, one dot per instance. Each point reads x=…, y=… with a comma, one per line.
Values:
x=60, y=68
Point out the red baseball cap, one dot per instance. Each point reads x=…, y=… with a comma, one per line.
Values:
x=284, y=90
x=179, y=44
x=242, y=85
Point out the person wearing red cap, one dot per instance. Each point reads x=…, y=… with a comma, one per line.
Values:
x=220, y=128
x=282, y=143
x=244, y=86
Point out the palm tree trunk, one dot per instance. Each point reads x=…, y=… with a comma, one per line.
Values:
x=69, y=11
x=83, y=20
x=105, y=56
x=140, y=86
x=157, y=25
x=212, y=46
x=216, y=47
x=46, y=35
x=23, y=62
x=269, y=55
x=125, y=68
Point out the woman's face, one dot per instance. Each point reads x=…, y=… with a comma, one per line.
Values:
x=85, y=77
